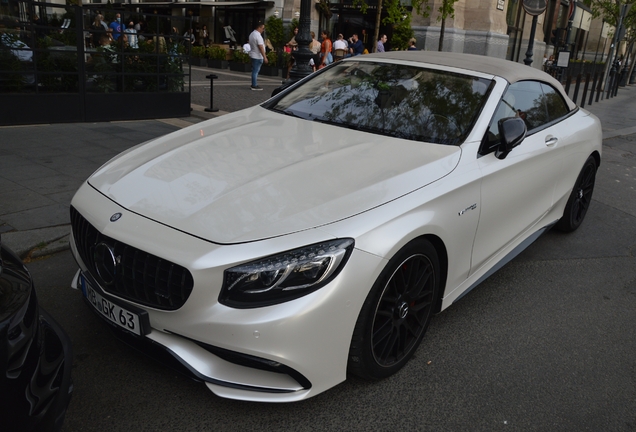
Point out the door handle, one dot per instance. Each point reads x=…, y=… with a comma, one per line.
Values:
x=550, y=140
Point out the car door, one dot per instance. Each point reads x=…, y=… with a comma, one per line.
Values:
x=517, y=191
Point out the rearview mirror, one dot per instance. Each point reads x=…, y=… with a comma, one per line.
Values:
x=512, y=130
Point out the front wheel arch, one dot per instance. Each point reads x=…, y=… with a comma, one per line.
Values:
x=442, y=255
x=597, y=157
x=397, y=311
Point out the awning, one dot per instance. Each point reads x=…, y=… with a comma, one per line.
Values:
x=140, y=4
x=181, y=4
x=222, y=3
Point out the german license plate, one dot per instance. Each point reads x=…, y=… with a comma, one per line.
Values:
x=111, y=311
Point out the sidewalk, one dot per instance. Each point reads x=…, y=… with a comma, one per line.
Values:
x=41, y=166
x=618, y=114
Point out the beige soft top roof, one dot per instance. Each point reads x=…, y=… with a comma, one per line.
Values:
x=510, y=71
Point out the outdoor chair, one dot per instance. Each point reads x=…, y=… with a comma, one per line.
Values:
x=339, y=54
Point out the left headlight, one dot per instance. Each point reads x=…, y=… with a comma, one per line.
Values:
x=285, y=276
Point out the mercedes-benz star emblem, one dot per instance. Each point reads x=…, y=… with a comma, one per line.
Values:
x=403, y=310
x=106, y=263
x=115, y=217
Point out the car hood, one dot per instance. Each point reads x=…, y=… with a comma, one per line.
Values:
x=257, y=174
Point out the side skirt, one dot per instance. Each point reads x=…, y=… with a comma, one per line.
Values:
x=506, y=259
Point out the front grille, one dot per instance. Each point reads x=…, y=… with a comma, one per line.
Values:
x=137, y=275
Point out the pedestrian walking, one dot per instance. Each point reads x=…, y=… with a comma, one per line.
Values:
x=326, y=47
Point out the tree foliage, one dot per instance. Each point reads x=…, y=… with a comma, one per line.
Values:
x=610, y=11
x=445, y=10
x=422, y=7
x=395, y=11
x=275, y=32
x=400, y=18
x=402, y=34
x=397, y=15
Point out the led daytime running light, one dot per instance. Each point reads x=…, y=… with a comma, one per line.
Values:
x=287, y=275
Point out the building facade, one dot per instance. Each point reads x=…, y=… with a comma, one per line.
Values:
x=497, y=28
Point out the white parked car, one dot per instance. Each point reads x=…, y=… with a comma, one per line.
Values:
x=273, y=250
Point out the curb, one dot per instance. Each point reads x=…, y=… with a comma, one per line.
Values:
x=38, y=242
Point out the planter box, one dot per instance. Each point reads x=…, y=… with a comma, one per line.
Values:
x=240, y=67
x=32, y=108
x=196, y=61
x=269, y=71
x=218, y=64
x=227, y=49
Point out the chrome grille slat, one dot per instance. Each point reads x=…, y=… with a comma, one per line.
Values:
x=144, y=278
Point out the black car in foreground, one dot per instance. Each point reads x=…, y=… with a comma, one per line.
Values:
x=35, y=355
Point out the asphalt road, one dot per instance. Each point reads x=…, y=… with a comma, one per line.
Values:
x=547, y=343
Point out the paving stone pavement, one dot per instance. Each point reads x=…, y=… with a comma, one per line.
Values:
x=41, y=166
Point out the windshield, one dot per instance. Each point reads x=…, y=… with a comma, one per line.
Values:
x=390, y=99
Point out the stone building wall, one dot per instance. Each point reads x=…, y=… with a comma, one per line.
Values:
x=477, y=28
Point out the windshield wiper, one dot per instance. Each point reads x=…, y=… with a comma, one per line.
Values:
x=286, y=112
x=330, y=122
x=359, y=128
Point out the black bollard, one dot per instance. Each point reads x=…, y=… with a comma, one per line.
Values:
x=211, y=77
x=594, y=82
x=610, y=87
x=576, y=88
x=587, y=83
x=599, y=90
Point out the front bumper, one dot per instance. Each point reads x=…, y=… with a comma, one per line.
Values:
x=280, y=353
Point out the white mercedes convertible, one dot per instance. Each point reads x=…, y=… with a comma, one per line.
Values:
x=271, y=251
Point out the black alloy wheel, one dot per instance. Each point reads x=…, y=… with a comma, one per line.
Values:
x=580, y=198
x=397, y=312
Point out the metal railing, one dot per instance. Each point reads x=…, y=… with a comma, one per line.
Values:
x=53, y=49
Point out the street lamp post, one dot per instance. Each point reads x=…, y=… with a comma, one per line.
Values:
x=609, y=64
x=301, y=67
x=529, y=53
x=533, y=8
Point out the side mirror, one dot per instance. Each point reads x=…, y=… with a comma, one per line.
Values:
x=512, y=131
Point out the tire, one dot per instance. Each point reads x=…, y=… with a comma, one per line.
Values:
x=580, y=198
x=396, y=313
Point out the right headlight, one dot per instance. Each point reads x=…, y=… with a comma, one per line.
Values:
x=285, y=276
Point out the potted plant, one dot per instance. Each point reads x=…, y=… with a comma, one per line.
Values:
x=217, y=57
x=270, y=69
x=240, y=61
x=197, y=56
x=275, y=32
